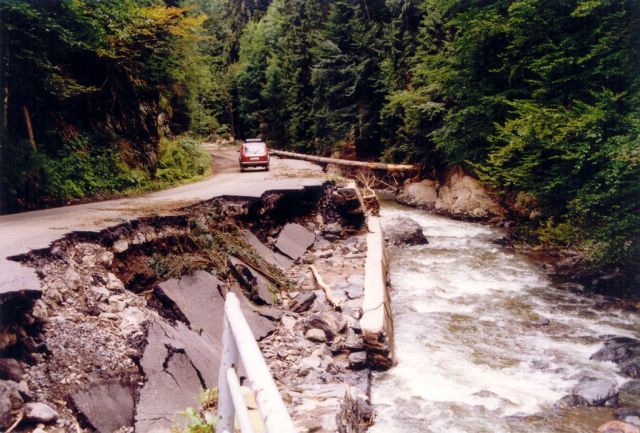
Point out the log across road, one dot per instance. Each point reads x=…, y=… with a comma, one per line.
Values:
x=345, y=162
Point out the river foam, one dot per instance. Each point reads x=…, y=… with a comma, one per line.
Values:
x=473, y=355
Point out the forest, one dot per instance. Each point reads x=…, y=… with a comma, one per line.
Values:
x=540, y=99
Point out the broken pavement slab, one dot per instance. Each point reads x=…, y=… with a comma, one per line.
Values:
x=163, y=339
x=197, y=296
x=275, y=258
x=177, y=363
x=294, y=240
x=167, y=392
x=106, y=406
x=199, y=299
x=256, y=284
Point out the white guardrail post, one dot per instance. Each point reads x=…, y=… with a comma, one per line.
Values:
x=239, y=344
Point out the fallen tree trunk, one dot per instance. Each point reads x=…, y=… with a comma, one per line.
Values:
x=345, y=162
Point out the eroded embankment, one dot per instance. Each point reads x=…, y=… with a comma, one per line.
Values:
x=127, y=330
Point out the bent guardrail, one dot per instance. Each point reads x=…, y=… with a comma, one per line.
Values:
x=239, y=344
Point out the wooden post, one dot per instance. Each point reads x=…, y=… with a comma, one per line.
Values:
x=27, y=122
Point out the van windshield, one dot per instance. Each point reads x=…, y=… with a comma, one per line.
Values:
x=255, y=149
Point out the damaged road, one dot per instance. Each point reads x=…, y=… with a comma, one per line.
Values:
x=27, y=231
x=126, y=332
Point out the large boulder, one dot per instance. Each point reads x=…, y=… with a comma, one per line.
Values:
x=618, y=350
x=460, y=195
x=423, y=194
x=404, y=231
x=591, y=391
x=463, y=196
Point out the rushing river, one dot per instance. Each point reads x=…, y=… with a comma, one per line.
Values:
x=474, y=352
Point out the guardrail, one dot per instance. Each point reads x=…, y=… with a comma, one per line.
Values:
x=239, y=344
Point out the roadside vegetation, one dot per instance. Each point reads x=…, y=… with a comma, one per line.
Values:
x=539, y=99
x=97, y=97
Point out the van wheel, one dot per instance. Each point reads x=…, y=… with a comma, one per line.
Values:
x=266, y=168
x=241, y=169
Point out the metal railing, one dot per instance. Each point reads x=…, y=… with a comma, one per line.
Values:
x=239, y=344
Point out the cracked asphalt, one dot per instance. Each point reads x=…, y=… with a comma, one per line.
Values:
x=21, y=233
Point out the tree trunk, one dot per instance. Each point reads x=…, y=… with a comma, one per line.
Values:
x=345, y=162
x=27, y=123
x=4, y=77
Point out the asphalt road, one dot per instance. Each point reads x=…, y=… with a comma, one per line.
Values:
x=27, y=231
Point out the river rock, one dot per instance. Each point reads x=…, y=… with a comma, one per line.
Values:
x=334, y=229
x=592, y=391
x=404, y=231
x=630, y=394
x=629, y=415
x=302, y=302
x=294, y=240
x=309, y=363
x=39, y=412
x=617, y=427
x=631, y=369
x=353, y=341
x=540, y=322
x=10, y=400
x=618, y=350
x=326, y=322
x=71, y=278
x=358, y=359
x=120, y=246
x=315, y=334
x=11, y=369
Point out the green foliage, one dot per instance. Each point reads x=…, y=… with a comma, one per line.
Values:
x=182, y=159
x=194, y=422
x=125, y=70
x=79, y=171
